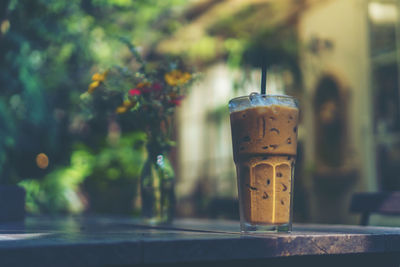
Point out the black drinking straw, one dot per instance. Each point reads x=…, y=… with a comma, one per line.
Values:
x=263, y=79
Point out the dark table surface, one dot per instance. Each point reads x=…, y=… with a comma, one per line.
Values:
x=122, y=241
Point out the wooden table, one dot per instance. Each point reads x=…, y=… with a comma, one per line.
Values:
x=121, y=241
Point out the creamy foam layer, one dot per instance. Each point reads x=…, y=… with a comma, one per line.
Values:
x=256, y=100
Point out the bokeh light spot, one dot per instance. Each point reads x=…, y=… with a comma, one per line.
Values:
x=42, y=161
x=4, y=26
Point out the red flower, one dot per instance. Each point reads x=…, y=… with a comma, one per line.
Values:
x=134, y=92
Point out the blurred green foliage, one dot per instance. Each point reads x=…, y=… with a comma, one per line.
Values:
x=48, y=51
x=59, y=190
x=110, y=178
x=112, y=185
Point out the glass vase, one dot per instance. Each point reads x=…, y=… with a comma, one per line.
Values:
x=157, y=190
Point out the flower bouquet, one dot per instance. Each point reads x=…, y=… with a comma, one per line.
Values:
x=146, y=95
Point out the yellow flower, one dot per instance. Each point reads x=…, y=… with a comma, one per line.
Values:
x=93, y=86
x=126, y=105
x=97, y=79
x=177, y=77
x=121, y=109
x=99, y=76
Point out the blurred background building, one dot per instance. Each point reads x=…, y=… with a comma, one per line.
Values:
x=340, y=58
x=347, y=57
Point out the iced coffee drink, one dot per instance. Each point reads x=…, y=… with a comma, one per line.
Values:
x=264, y=137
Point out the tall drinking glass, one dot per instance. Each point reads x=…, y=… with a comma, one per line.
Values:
x=264, y=138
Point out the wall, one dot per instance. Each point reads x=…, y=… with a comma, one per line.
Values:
x=344, y=24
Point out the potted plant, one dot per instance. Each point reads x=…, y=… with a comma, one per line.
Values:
x=145, y=95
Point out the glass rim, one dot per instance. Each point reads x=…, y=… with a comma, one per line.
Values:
x=265, y=96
